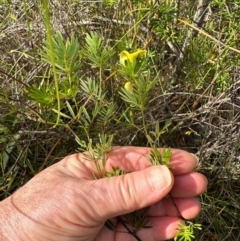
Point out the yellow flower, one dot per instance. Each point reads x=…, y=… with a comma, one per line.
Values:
x=188, y=133
x=126, y=56
x=128, y=86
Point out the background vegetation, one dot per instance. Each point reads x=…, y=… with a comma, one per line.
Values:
x=61, y=79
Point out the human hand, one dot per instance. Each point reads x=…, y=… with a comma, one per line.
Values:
x=65, y=202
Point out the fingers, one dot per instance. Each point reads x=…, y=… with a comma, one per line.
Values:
x=163, y=219
x=189, y=185
x=115, y=196
x=136, y=158
x=111, y=197
x=130, y=159
x=185, y=188
x=162, y=228
x=188, y=207
x=183, y=162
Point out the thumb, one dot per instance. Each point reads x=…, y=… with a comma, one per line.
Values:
x=111, y=197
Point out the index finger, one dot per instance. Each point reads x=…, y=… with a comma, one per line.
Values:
x=131, y=159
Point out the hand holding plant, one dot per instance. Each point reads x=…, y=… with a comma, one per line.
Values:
x=80, y=204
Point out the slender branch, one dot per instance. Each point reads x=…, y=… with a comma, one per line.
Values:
x=133, y=233
x=209, y=36
x=198, y=19
x=176, y=207
x=12, y=77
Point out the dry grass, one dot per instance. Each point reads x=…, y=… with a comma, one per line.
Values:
x=197, y=99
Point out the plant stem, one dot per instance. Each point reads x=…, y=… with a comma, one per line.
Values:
x=50, y=42
x=133, y=233
x=175, y=205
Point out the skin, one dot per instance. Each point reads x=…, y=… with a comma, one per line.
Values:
x=64, y=202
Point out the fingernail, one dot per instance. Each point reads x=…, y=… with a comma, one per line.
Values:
x=196, y=158
x=159, y=177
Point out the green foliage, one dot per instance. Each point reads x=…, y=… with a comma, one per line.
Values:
x=67, y=63
x=98, y=153
x=116, y=171
x=92, y=88
x=110, y=2
x=139, y=97
x=185, y=231
x=3, y=134
x=44, y=96
x=162, y=19
x=137, y=219
x=105, y=73
x=95, y=52
x=109, y=224
x=66, y=56
x=51, y=53
x=157, y=158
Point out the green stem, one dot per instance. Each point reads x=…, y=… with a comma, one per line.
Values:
x=50, y=42
x=150, y=141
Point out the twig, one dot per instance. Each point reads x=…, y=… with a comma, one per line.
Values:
x=12, y=77
x=133, y=233
x=198, y=19
x=176, y=207
x=209, y=36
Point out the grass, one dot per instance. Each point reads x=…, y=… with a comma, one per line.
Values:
x=186, y=90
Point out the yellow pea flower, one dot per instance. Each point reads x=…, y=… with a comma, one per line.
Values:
x=131, y=57
x=188, y=133
x=128, y=86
